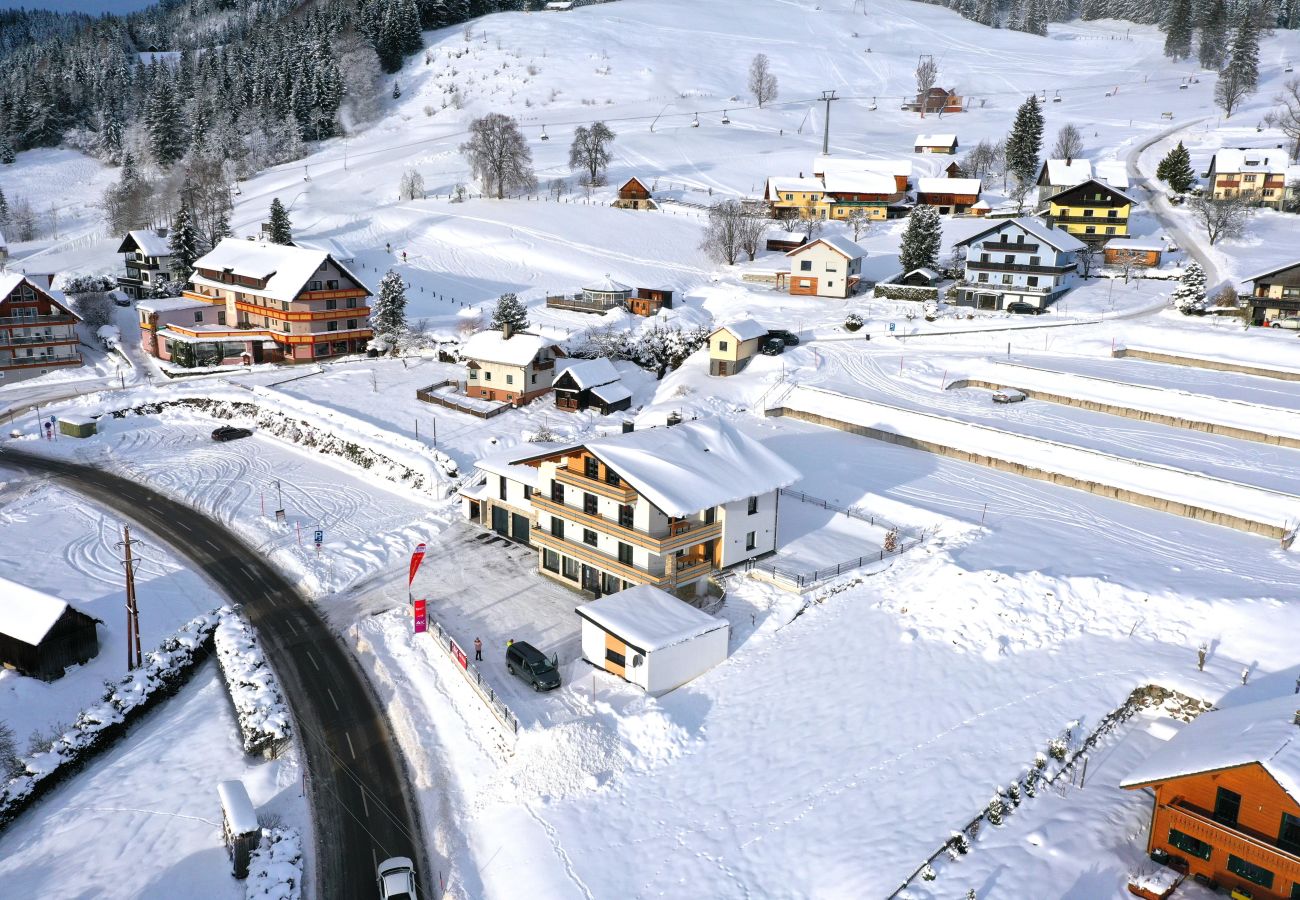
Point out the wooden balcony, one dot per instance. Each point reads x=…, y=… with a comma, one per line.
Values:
x=593, y=557
x=622, y=492
x=688, y=536
x=1248, y=845
x=55, y=319
x=977, y=266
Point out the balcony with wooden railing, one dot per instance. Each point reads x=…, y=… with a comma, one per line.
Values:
x=1235, y=839
x=622, y=492
x=52, y=319
x=684, y=534
x=591, y=556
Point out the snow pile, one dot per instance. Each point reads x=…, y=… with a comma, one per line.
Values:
x=259, y=704
x=564, y=759
x=1159, y=881
x=97, y=726
x=275, y=870
x=111, y=335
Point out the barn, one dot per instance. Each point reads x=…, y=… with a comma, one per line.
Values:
x=41, y=635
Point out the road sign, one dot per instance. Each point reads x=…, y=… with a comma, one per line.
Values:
x=459, y=654
x=319, y=538
x=421, y=621
x=891, y=326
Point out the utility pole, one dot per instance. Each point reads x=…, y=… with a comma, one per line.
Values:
x=133, y=656
x=827, y=97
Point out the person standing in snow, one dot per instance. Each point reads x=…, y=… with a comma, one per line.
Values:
x=510, y=643
x=478, y=650
x=403, y=256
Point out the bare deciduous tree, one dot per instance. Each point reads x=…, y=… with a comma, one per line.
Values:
x=1069, y=143
x=752, y=226
x=1087, y=258
x=1222, y=218
x=859, y=222
x=412, y=186
x=723, y=232
x=1287, y=116
x=1232, y=87
x=927, y=74
x=980, y=161
x=590, y=151
x=762, y=83
x=499, y=156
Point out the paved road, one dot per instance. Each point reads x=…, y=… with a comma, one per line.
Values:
x=357, y=786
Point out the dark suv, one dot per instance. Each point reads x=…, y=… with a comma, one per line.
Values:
x=529, y=664
x=789, y=338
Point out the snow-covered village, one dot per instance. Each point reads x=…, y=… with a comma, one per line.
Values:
x=650, y=448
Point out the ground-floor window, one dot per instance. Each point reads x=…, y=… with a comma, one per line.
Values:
x=321, y=350
x=1249, y=871
x=550, y=561
x=751, y=541
x=570, y=568
x=609, y=584
x=1189, y=844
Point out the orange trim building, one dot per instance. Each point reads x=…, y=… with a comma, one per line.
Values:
x=37, y=332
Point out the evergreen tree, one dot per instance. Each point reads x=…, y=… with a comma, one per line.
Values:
x=281, y=227
x=1213, y=34
x=1036, y=16
x=4, y=209
x=1243, y=57
x=162, y=119
x=222, y=228
x=1178, y=36
x=921, y=240
x=1025, y=141
x=509, y=311
x=1176, y=171
x=184, y=242
x=1189, y=296
x=7, y=154
x=388, y=315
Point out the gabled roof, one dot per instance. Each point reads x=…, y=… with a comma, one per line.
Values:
x=1093, y=184
x=928, y=273
x=27, y=614
x=934, y=140
x=489, y=346
x=1282, y=268
x=826, y=165
x=1136, y=244
x=1057, y=238
x=513, y=464
x=840, y=245
x=1263, y=733
x=637, y=181
x=743, y=329
x=948, y=186
x=685, y=468
x=1243, y=159
x=648, y=618
x=779, y=184
x=860, y=183
x=10, y=280
x=340, y=252
x=147, y=241
x=1065, y=172
x=588, y=373
x=288, y=268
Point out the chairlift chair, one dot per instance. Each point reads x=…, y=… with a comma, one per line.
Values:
x=544, y=135
x=1183, y=86
x=725, y=119
x=873, y=104
x=1057, y=98
x=696, y=123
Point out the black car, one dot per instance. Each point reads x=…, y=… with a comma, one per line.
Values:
x=230, y=433
x=526, y=662
x=789, y=338
x=772, y=346
x=121, y=300
x=1025, y=309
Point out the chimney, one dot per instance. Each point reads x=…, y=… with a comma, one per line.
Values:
x=162, y=232
x=628, y=426
x=507, y=331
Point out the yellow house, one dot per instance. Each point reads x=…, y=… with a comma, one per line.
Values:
x=731, y=347
x=1091, y=211
x=833, y=196
x=791, y=196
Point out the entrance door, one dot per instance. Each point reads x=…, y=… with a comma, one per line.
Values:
x=519, y=527
x=257, y=351
x=590, y=579
x=501, y=521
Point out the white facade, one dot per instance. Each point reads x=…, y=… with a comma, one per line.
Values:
x=825, y=268
x=1018, y=261
x=748, y=528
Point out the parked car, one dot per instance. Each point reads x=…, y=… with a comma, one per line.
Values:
x=230, y=433
x=1291, y=323
x=1023, y=309
x=396, y=879
x=789, y=338
x=121, y=300
x=526, y=662
x=772, y=346
x=1008, y=395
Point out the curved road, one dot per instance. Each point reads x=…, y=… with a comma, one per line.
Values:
x=356, y=784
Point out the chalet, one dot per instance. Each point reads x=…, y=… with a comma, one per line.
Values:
x=38, y=332
x=666, y=506
x=936, y=100
x=732, y=346
x=41, y=635
x=841, y=187
x=935, y=143
x=1141, y=252
x=148, y=258
x=898, y=169
x=953, y=170
x=1259, y=174
x=825, y=267
x=1275, y=295
x=782, y=241
x=1018, y=261
x=1092, y=211
x=949, y=195
x=1226, y=798
x=507, y=367
x=501, y=498
x=273, y=303
x=648, y=301
x=634, y=195
x=591, y=383
x=1057, y=175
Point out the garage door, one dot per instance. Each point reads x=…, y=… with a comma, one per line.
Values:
x=501, y=521
x=519, y=527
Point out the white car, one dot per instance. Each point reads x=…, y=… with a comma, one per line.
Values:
x=1008, y=395
x=1292, y=323
x=396, y=879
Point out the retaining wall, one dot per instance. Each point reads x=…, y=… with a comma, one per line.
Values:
x=1199, y=363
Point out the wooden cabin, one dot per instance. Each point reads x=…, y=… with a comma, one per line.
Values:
x=948, y=195
x=591, y=383
x=935, y=143
x=648, y=301
x=785, y=241
x=634, y=195
x=40, y=635
x=936, y=100
x=1142, y=252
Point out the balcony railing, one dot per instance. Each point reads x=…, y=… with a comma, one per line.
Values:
x=689, y=536
x=593, y=557
x=24, y=340
x=1086, y=220
x=622, y=492
x=998, y=287
x=1017, y=267
x=1008, y=247
x=56, y=319
x=1198, y=823
x=29, y=362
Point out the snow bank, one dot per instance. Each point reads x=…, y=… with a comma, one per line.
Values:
x=275, y=870
x=259, y=704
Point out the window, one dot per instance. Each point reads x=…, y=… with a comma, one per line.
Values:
x=1090, y=229
x=1110, y=229
x=1009, y=259
x=1112, y=214
x=625, y=553
x=1226, y=806
x=1006, y=279
x=984, y=277
x=534, y=378
x=1035, y=260
x=625, y=515
x=1020, y=239
x=591, y=467
x=570, y=567
x=550, y=561
x=331, y=304
x=830, y=284
x=610, y=584
x=284, y=305
x=1289, y=837
x=1087, y=213
x=1249, y=871
x=557, y=527
x=332, y=284
x=1250, y=179
x=589, y=504
x=611, y=477
x=751, y=541
x=487, y=376
x=557, y=492
x=351, y=303
x=322, y=266
x=1189, y=844
x=352, y=324
x=510, y=379
x=332, y=326
x=589, y=537
x=504, y=487
x=710, y=515
x=830, y=267
x=1032, y=281
x=314, y=286
x=322, y=349
x=805, y=265
x=722, y=346
x=198, y=316
x=528, y=492
x=617, y=659
x=752, y=505
x=984, y=257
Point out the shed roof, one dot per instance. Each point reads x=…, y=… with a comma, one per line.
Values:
x=612, y=392
x=649, y=619
x=26, y=613
x=490, y=346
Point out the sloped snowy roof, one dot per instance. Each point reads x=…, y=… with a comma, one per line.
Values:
x=649, y=619
x=1241, y=159
x=237, y=807
x=1067, y=173
x=612, y=392
x=776, y=185
x=928, y=273
x=27, y=614
x=685, y=468
x=948, y=185
x=1113, y=172
x=934, y=140
x=825, y=165
x=511, y=463
x=1256, y=276
x=840, y=244
x=1058, y=238
x=340, y=252
x=607, y=285
x=860, y=183
x=743, y=329
x=1262, y=732
x=1135, y=244
x=588, y=373
x=147, y=241
x=288, y=268
x=9, y=281
x=1091, y=185
x=490, y=346
x=170, y=304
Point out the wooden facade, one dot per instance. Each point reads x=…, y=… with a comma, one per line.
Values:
x=1118, y=256
x=634, y=195
x=37, y=332
x=936, y=100
x=1275, y=295
x=648, y=301
x=71, y=640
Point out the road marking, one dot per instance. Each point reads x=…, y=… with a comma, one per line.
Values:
x=213, y=547
x=292, y=627
x=332, y=700
x=347, y=737
x=364, y=804
x=314, y=663
x=375, y=858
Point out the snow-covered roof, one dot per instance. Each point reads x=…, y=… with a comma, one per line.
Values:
x=836, y=242
x=685, y=468
x=9, y=281
x=824, y=165
x=1136, y=244
x=1058, y=238
x=237, y=807
x=27, y=614
x=648, y=619
x=1113, y=172
x=1068, y=172
x=776, y=185
x=743, y=329
x=490, y=346
x=588, y=373
x=288, y=268
x=934, y=140
x=982, y=204
x=170, y=304
x=860, y=183
x=73, y=419
x=148, y=242
x=606, y=285
x=612, y=392
x=1263, y=732
x=1242, y=159
x=1273, y=271
x=339, y=251
x=948, y=186
x=781, y=234
x=928, y=273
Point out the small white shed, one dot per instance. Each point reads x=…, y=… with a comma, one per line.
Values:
x=652, y=639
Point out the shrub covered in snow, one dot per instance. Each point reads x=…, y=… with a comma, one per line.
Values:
x=98, y=726
x=254, y=690
x=275, y=870
x=853, y=321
